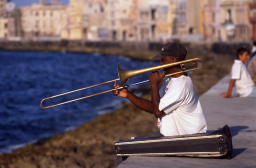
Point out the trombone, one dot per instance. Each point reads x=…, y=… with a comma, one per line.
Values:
x=124, y=75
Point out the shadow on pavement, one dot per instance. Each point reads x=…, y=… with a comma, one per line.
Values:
x=237, y=152
x=235, y=129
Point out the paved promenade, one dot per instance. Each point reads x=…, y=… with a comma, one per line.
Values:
x=238, y=113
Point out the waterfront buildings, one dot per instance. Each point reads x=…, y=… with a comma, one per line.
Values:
x=227, y=20
x=86, y=20
x=235, y=24
x=153, y=20
x=212, y=21
x=188, y=19
x=41, y=21
x=122, y=20
x=252, y=19
x=133, y=20
x=3, y=28
x=3, y=20
x=3, y=7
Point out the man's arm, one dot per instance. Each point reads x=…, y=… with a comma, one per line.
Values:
x=154, y=79
x=141, y=103
x=146, y=105
x=228, y=94
x=155, y=98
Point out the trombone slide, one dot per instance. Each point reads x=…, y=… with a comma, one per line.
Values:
x=124, y=75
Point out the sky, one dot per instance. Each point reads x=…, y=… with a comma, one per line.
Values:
x=20, y=3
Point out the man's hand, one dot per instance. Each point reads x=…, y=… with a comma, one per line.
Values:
x=120, y=92
x=225, y=95
x=155, y=77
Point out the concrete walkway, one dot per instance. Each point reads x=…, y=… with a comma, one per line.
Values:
x=238, y=113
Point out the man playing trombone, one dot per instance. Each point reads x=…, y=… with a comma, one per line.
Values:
x=176, y=104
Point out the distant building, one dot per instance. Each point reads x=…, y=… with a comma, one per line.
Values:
x=94, y=20
x=235, y=24
x=11, y=27
x=3, y=20
x=41, y=21
x=188, y=19
x=252, y=19
x=153, y=20
x=3, y=7
x=212, y=21
x=75, y=19
x=121, y=17
x=3, y=28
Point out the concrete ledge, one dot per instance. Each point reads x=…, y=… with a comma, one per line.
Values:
x=238, y=113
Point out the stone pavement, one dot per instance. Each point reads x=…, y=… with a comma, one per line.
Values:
x=238, y=113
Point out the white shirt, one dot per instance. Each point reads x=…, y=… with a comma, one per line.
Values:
x=244, y=84
x=184, y=114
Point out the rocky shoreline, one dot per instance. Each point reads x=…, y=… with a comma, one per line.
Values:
x=92, y=144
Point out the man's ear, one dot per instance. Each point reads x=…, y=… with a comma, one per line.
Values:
x=175, y=59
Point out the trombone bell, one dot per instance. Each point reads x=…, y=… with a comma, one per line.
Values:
x=122, y=75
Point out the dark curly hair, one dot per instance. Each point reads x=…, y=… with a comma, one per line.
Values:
x=241, y=51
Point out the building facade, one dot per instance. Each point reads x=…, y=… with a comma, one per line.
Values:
x=3, y=7
x=153, y=20
x=212, y=20
x=188, y=19
x=94, y=20
x=235, y=25
x=252, y=19
x=42, y=20
x=3, y=28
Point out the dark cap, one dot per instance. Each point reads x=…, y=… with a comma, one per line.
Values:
x=172, y=49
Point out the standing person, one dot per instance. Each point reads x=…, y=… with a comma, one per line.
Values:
x=176, y=105
x=240, y=76
x=252, y=69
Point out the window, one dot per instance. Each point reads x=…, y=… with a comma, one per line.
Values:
x=113, y=14
x=153, y=13
x=37, y=24
x=254, y=14
x=228, y=16
x=153, y=27
x=191, y=30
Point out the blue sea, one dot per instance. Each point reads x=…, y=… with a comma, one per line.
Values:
x=26, y=77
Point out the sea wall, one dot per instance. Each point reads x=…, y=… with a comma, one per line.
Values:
x=139, y=50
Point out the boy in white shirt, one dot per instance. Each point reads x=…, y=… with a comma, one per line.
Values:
x=240, y=77
x=176, y=105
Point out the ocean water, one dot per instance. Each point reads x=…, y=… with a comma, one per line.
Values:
x=26, y=77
